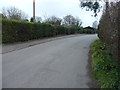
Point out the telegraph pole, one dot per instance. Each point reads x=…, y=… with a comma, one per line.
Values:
x=34, y=9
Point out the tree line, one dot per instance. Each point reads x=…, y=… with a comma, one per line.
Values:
x=14, y=13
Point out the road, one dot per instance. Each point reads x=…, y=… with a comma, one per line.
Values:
x=56, y=64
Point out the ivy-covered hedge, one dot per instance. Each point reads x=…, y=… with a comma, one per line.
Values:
x=17, y=31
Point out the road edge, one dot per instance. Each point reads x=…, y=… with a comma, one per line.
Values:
x=6, y=48
x=90, y=70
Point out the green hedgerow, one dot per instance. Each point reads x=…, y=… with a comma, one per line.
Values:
x=19, y=31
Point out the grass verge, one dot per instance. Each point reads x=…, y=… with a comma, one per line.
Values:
x=105, y=69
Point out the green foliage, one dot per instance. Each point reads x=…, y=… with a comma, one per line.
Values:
x=105, y=69
x=89, y=30
x=18, y=31
x=95, y=6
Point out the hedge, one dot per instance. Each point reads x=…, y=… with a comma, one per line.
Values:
x=109, y=29
x=18, y=31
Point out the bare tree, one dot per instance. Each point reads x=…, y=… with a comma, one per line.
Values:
x=14, y=13
x=70, y=20
x=95, y=24
x=2, y=16
x=4, y=13
x=78, y=22
x=38, y=19
x=53, y=20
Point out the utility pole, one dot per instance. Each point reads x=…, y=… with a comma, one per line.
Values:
x=34, y=9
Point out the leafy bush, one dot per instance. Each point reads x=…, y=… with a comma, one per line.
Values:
x=105, y=69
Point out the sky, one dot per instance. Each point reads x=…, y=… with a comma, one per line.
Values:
x=47, y=8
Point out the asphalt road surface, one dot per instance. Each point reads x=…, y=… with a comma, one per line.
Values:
x=56, y=64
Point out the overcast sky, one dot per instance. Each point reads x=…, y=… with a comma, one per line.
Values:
x=46, y=8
